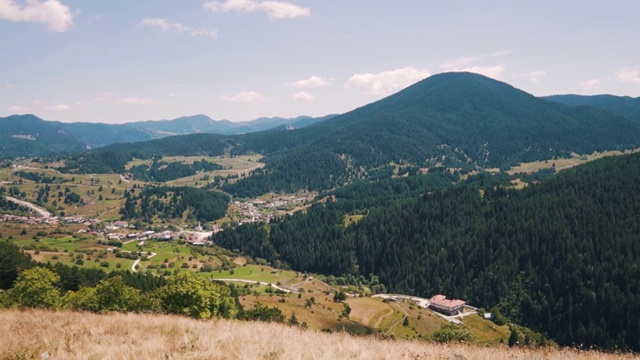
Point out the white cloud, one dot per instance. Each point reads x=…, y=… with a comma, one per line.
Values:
x=178, y=28
x=533, y=76
x=16, y=109
x=274, y=9
x=386, y=82
x=590, y=84
x=244, y=97
x=37, y=103
x=313, y=81
x=139, y=101
x=630, y=74
x=60, y=107
x=303, y=96
x=52, y=13
x=212, y=33
x=465, y=61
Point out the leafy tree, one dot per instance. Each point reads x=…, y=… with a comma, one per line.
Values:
x=264, y=313
x=450, y=332
x=197, y=297
x=35, y=288
x=339, y=296
x=114, y=295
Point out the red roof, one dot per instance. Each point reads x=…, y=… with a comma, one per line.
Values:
x=443, y=302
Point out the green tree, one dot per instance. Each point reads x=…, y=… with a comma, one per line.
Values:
x=514, y=338
x=114, y=295
x=83, y=299
x=35, y=288
x=451, y=333
x=339, y=296
x=12, y=261
x=200, y=298
x=264, y=313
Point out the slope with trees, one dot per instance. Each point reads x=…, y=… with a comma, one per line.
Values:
x=561, y=256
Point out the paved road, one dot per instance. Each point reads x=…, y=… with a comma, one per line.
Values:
x=39, y=210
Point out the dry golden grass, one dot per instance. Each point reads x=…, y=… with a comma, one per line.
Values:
x=36, y=334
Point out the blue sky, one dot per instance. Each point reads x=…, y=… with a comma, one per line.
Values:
x=118, y=61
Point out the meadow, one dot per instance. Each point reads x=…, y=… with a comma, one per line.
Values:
x=38, y=334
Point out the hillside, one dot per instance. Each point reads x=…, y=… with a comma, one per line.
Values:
x=29, y=136
x=622, y=105
x=455, y=120
x=560, y=256
x=459, y=121
x=35, y=334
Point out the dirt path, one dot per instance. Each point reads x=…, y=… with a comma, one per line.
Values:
x=135, y=263
x=44, y=213
x=389, y=312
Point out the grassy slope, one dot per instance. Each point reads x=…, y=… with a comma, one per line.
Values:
x=68, y=335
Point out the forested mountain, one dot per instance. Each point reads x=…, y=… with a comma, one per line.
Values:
x=456, y=120
x=453, y=120
x=28, y=136
x=621, y=105
x=562, y=256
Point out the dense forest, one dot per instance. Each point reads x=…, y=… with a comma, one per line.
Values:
x=562, y=256
x=162, y=171
x=175, y=202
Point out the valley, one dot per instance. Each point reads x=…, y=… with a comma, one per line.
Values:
x=459, y=185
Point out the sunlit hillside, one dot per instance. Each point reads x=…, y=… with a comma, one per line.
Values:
x=38, y=334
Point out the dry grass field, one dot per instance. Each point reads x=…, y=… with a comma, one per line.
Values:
x=36, y=334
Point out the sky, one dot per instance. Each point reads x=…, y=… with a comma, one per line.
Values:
x=119, y=61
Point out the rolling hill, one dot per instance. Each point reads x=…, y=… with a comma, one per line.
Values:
x=28, y=135
x=458, y=121
x=455, y=120
x=621, y=105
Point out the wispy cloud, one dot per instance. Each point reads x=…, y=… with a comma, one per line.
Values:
x=467, y=60
x=533, y=76
x=52, y=13
x=313, y=81
x=590, y=84
x=60, y=107
x=386, y=82
x=178, y=27
x=17, y=109
x=630, y=74
x=139, y=100
x=303, y=96
x=274, y=9
x=244, y=97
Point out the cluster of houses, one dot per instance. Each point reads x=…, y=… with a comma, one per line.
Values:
x=54, y=220
x=146, y=235
x=257, y=210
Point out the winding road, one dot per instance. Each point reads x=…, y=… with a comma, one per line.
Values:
x=44, y=213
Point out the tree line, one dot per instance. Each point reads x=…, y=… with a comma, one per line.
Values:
x=561, y=257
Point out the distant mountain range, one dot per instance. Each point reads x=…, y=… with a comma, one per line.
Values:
x=28, y=135
x=621, y=105
x=458, y=121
